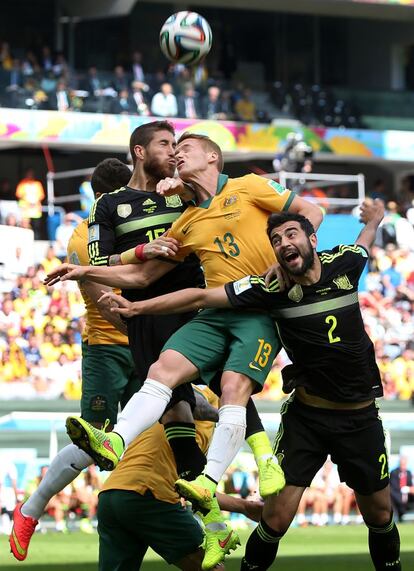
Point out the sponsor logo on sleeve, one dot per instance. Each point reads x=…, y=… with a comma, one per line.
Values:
x=242, y=285
x=277, y=187
x=93, y=233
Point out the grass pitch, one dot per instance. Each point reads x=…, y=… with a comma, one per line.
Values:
x=321, y=549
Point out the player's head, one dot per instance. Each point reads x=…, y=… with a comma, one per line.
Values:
x=294, y=241
x=195, y=153
x=152, y=146
x=109, y=175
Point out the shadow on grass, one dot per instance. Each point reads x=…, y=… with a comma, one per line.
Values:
x=344, y=562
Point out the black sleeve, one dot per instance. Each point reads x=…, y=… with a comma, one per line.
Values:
x=351, y=259
x=251, y=293
x=101, y=234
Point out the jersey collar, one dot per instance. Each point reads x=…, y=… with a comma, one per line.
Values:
x=221, y=183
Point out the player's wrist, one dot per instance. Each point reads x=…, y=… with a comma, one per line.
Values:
x=140, y=253
x=130, y=256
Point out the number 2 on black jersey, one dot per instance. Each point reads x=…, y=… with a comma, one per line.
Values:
x=332, y=321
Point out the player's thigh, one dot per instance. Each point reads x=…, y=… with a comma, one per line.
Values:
x=299, y=444
x=358, y=448
x=203, y=341
x=106, y=371
x=119, y=547
x=253, y=347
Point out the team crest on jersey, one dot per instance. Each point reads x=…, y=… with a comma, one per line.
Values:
x=150, y=206
x=295, y=293
x=74, y=258
x=276, y=186
x=124, y=210
x=342, y=282
x=230, y=200
x=280, y=457
x=93, y=233
x=173, y=201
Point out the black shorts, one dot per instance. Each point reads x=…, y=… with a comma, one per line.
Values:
x=355, y=440
x=147, y=335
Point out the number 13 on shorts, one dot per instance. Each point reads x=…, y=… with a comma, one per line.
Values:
x=263, y=353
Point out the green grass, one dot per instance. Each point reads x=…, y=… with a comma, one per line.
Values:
x=324, y=549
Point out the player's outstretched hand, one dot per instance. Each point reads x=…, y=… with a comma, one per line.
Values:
x=118, y=304
x=372, y=211
x=65, y=272
x=277, y=272
x=162, y=246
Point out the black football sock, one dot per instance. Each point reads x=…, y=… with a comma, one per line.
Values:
x=253, y=422
x=189, y=458
x=261, y=548
x=384, y=547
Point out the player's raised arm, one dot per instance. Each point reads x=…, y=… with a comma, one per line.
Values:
x=372, y=212
x=130, y=276
x=190, y=299
x=307, y=209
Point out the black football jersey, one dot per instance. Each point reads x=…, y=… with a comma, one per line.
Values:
x=122, y=219
x=321, y=326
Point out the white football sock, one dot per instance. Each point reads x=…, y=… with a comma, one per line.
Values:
x=142, y=410
x=227, y=440
x=66, y=465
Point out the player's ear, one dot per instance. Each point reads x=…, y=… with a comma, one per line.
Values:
x=313, y=240
x=139, y=151
x=213, y=157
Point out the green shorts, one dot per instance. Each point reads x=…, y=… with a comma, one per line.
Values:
x=228, y=340
x=108, y=378
x=129, y=523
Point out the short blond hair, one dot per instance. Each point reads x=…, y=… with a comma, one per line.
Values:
x=208, y=145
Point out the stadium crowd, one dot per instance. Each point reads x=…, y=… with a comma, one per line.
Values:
x=46, y=81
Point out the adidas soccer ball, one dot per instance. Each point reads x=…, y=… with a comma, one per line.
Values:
x=185, y=38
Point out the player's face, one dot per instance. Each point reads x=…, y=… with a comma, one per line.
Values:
x=293, y=248
x=191, y=158
x=159, y=160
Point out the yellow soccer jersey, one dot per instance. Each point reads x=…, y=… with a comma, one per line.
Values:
x=148, y=463
x=98, y=331
x=228, y=231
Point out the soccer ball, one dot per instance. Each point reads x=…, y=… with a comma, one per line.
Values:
x=185, y=38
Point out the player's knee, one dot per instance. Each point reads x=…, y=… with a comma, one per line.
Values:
x=235, y=389
x=161, y=372
x=378, y=517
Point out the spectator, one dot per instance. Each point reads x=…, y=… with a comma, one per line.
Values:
x=402, y=488
x=87, y=195
x=61, y=99
x=9, y=319
x=61, y=67
x=120, y=80
x=122, y=104
x=137, y=70
x=46, y=59
x=212, y=104
x=164, y=103
x=140, y=105
x=188, y=104
x=51, y=261
x=30, y=193
x=245, y=108
x=64, y=232
x=92, y=83
x=6, y=60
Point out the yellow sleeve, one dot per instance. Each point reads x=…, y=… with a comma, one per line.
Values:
x=268, y=194
x=78, y=246
x=176, y=231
